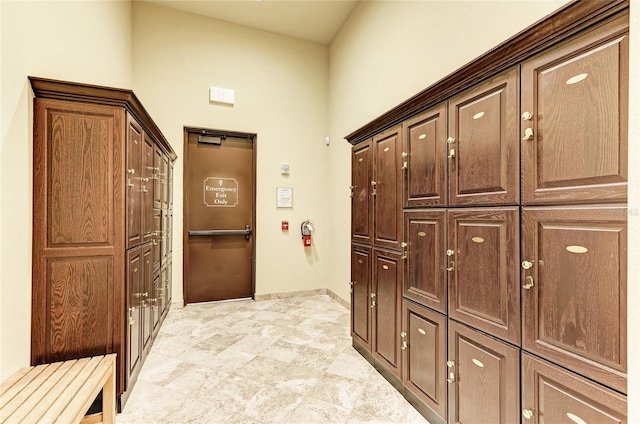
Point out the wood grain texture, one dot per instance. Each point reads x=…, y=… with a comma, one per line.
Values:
x=576, y=312
x=134, y=175
x=46, y=88
x=578, y=95
x=486, y=373
x=483, y=123
x=553, y=393
x=426, y=176
x=361, y=273
x=425, y=279
x=387, y=312
x=387, y=174
x=424, y=360
x=361, y=199
x=566, y=22
x=484, y=286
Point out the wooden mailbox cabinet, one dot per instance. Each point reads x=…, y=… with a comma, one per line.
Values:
x=95, y=230
x=513, y=255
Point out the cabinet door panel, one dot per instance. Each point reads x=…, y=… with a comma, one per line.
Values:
x=425, y=276
x=424, y=360
x=578, y=95
x=426, y=175
x=146, y=294
x=484, y=284
x=134, y=183
x=486, y=374
x=134, y=310
x=555, y=395
x=157, y=238
x=387, y=314
x=146, y=188
x=388, y=188
x=157, y=178
x=361, y=198
x=361, y=295
x=483, y=123
x=575, y=313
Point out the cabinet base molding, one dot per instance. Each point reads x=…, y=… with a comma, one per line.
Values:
x=423, y=409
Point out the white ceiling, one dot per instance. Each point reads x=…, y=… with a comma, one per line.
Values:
x=312, y=20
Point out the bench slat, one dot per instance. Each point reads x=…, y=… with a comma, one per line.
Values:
x=92, y=385
x=25, y=390
x=13, y=379
x=49, y=405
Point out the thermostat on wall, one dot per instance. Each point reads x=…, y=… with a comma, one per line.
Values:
x=284, y=169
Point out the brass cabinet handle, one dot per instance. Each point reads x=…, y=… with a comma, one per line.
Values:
x=451, y=266
x=528, y=282
x=527, y=413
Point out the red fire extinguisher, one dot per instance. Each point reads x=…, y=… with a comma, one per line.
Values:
x=305, y=229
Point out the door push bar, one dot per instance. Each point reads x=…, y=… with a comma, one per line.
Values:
x=246, y=232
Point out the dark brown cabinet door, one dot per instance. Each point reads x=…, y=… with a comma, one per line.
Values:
x=78, y=232
x=164, y=181
x=362, y=193
x=361, y=299
x=146, y=188
x=386, y=306
x=157, y=305
x=387, y=199
x=426, y=158
x=425, y=278
x=482, y=262
x=134, y=310
x=551, y=394
x=135, y=140
x=483, y=143
x=158, y=179
x=484, y=378
x=424, y=371
x=575, y=119
x=157, y=240
x=574, y=294
x=146, y=295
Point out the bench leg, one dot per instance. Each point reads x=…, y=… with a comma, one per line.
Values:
x=109, y=398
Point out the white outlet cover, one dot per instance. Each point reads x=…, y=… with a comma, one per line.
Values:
x=284, y=169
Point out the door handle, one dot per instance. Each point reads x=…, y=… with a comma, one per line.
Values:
x=246, y=232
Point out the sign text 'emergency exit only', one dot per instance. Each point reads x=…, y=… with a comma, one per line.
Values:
x=220, y=192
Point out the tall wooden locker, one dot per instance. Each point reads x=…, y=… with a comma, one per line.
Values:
x=425, y=158
x=386, y=318
x=482, y=263
x=483, y=148
x=425, y=276
x=575, y=119
x=483, y=378
x=574, y=297
x=361, y=193
x=361, y=299
x=93, y=225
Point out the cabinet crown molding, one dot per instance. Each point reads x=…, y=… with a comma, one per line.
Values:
x=87, y=93
x=572, y=18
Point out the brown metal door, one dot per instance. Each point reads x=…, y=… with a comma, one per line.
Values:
x=574, y=296
x=219, y=216
x=484, y=378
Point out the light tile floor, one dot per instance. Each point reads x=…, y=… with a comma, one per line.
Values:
x=274, y=361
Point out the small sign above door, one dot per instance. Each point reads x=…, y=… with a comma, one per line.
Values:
x=220, y=192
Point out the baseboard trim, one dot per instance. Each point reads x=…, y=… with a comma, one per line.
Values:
x=302, y=293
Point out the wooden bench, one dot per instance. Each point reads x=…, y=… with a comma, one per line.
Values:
x=61, y=392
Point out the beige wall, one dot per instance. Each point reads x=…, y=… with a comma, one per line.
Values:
x=281, y=94
x=77, y=41
x=387, y=52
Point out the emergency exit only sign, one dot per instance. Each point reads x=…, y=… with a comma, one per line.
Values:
x=220, y=192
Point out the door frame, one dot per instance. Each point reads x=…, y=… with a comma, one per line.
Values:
x=185, y=198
